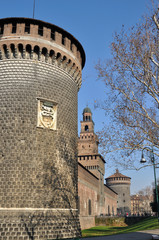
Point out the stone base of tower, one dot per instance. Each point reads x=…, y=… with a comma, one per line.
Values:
x=39, y=224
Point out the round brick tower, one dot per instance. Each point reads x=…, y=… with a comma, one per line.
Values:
x=40, y=75
x=121, y=185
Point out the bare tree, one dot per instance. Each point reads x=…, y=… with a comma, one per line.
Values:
x=131, y=78
x=31, y=223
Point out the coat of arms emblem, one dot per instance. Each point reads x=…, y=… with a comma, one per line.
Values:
x=46, y=114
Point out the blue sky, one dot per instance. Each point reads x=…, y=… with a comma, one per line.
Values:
x=93, y=23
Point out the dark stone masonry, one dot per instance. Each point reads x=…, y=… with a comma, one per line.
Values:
x=40, y=75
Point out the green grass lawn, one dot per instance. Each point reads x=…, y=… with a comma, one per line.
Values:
x=146, y=224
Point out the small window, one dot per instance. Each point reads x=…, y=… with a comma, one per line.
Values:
x=79, y=204
x=89, y=207
x=86, y=128
x=113, y=211
x=108, y=210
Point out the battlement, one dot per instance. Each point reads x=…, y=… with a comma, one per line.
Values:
x=41, y=41
x=118, y=180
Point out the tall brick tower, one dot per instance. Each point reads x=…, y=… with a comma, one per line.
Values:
x=40, y=75
x=88, y=154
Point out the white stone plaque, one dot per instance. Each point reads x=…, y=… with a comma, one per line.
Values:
x=47, y=114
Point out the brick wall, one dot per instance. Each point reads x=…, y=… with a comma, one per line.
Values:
x=89, y=189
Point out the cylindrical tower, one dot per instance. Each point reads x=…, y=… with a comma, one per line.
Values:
x=121, y=185
x=40, y=75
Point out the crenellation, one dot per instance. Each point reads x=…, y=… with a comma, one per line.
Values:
x=74, y=49
x=67, y=43
x=6, y=30
x=20, y=28
x=47, y=33
x=58, y=37
x=37, y=30
x=34, y=30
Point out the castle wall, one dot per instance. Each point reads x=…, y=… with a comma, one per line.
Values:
x=88, y=189
x=110, y=201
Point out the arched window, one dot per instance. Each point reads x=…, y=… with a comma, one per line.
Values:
x=113, y=211
x=20, y=48
x=12, y=47
x=86, y=128
x=89, y=207
x=78, y=204
x=36, y=52
x=36, y=49
x=108, y=210
x=28, y=51
x=44, y=51
x=5, y=50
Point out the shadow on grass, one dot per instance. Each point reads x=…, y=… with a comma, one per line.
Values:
x=147, y=224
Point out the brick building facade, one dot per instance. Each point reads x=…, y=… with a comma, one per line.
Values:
x=95, y=197
x=40, y=75
x=141, y=205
